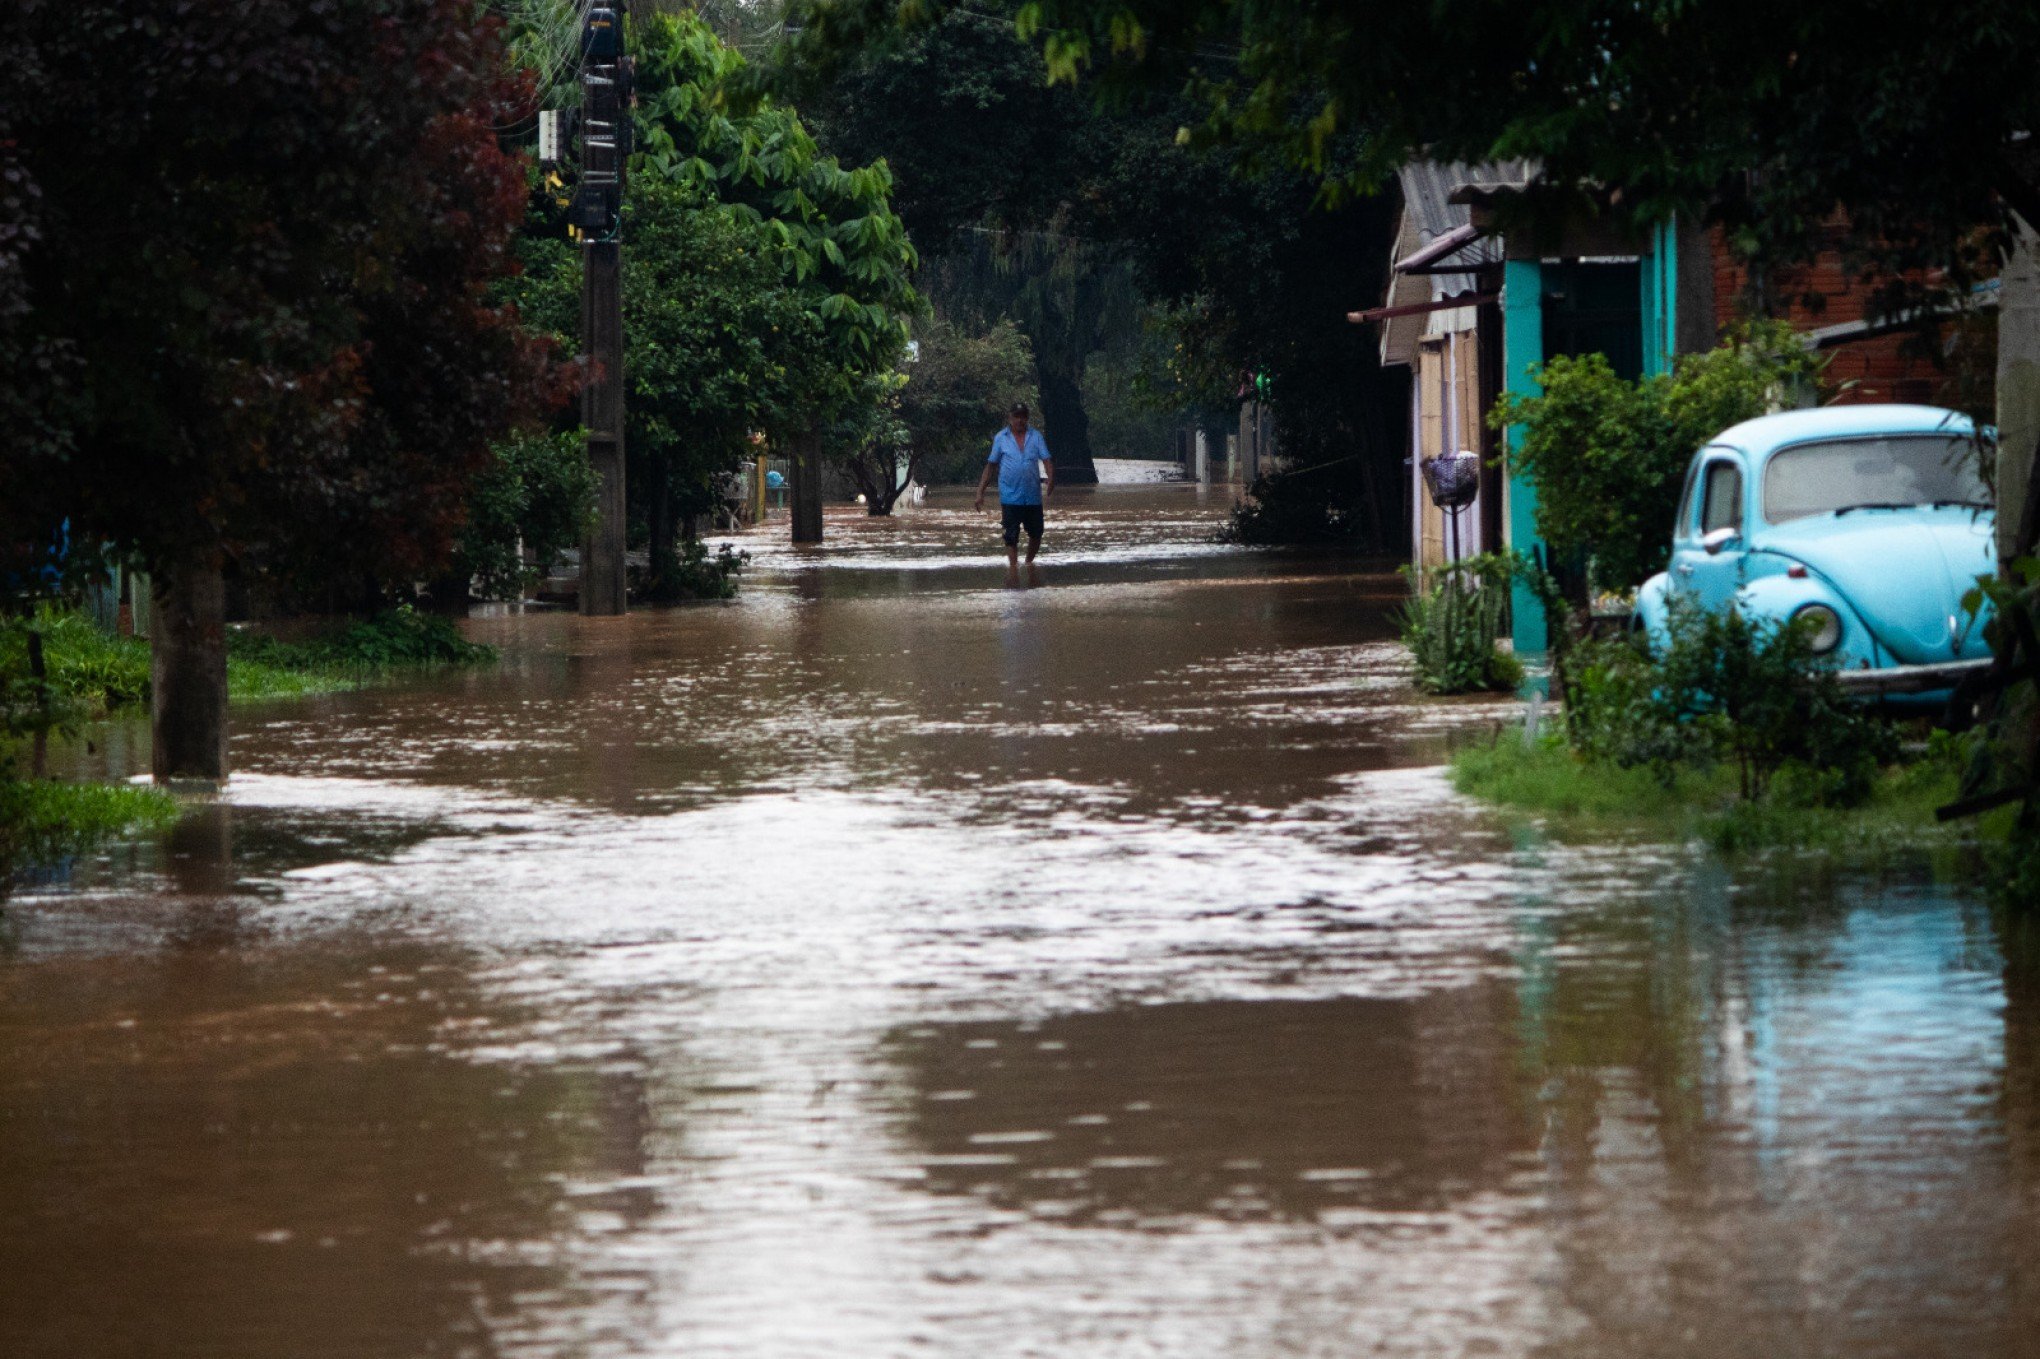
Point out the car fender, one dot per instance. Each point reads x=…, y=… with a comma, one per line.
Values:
x=1651, y=613
x=1777, y=598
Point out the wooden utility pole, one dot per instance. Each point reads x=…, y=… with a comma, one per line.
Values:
x=598, y=212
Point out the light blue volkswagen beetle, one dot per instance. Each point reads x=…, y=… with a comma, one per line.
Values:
x=1871, y=522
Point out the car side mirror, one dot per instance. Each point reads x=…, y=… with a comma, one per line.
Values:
x=1720, y=538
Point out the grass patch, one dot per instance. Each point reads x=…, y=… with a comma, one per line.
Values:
x=42, y=822
x=105, y=674
x=1582, y=799
x=1547, y=778
x=99, y=671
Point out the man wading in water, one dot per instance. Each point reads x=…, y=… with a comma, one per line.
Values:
x=1019, y=455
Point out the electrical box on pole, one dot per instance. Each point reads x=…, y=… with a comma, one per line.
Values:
x=601, y=36
x=597, y=210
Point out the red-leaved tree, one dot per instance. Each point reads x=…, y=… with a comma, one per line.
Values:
x=254, y=304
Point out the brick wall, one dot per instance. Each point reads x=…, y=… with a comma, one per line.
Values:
x=1876, y=369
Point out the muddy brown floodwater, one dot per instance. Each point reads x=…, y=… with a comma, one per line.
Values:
x=891, y=964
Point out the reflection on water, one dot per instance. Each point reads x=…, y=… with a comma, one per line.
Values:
x=1237, y=1109
x=888, y=963
x=213, y=1154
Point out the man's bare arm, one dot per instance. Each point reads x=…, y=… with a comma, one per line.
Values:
x=1049, y=489
x=984, y=480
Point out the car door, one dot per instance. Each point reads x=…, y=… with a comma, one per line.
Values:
x=1685, y=528
x=1712, y=568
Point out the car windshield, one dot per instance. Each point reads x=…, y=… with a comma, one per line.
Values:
x=1881, y=472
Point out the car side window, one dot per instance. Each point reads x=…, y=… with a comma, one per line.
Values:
x=1682, y=526
x=1721, y=505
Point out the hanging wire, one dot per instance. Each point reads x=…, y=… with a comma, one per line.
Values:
x=549, y=42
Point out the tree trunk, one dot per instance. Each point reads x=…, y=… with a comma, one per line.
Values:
x=1065, y=424
x=188, y=674
x=448, y=593
x=806, y=465
x=878, y=477
x=663, y=559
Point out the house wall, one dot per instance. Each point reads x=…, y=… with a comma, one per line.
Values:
x=1659, y=279
x=1430, y=428
x=1869, y=370
x=1522, y=349
x=1447, y=411
x=1662, y=283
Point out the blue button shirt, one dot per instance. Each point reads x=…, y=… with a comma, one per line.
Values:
x=1019, y=468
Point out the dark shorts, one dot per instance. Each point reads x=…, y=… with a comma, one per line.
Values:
x=1013, y=518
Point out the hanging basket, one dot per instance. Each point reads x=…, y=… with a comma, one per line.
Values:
x=1453, y=478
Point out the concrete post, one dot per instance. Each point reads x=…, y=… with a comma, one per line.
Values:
x=1203, y=460
x=2018, y=386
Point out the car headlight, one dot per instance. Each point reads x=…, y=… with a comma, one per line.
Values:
x=1823, y=627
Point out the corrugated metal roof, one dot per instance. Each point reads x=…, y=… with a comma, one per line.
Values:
x=1399, y=333
x=1428, y=187
x=1428, y=213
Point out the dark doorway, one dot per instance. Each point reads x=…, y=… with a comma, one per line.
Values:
x=1595, y=309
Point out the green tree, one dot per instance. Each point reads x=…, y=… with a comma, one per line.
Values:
x=767, y=288
x=870, y=443
x=1762, y=120
x=956, y=395
x=1068, y=295
x=1675, y=104
x=535, y=500
x=998, y=179
x=251, y=307
x=721, y=344
x=832, y=231
x=1083, y=222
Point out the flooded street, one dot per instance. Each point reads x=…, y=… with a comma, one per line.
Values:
x=887, y=964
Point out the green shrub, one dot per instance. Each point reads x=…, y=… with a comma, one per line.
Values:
x=397, y=638
x=538, y=495
x=1451, y=628
x=2002, y=755
x=698, y=575
x=90, y=673
x=1288, y=511
x=1729, y=690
